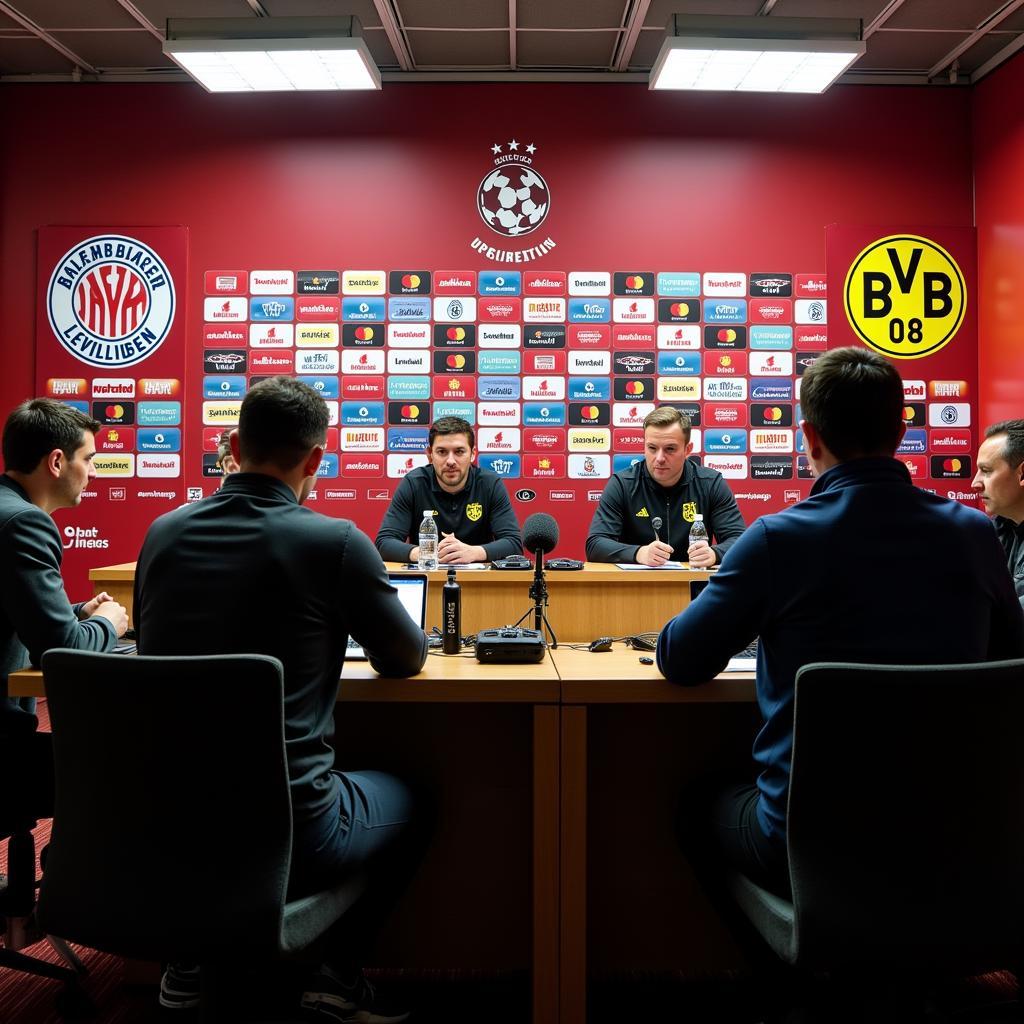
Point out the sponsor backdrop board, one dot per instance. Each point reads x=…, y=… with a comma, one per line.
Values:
x=110, y=340
x=910, y=293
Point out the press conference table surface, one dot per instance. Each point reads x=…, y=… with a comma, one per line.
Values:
x=599, y=600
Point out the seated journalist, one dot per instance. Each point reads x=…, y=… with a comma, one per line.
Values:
x=474, y=517
x=669, y=486
x=1000, y=483
x=48, y=449
x=250, y=570
x=818, y=582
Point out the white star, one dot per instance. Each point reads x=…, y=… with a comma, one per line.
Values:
x=495, y=148
x=513, y=145
x=531, y=148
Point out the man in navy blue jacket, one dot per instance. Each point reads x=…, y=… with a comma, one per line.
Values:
x=869, y=568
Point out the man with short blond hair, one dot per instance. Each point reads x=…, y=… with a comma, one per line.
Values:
x=667, y=485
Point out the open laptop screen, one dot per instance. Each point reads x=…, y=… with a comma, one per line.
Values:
x=412, y=592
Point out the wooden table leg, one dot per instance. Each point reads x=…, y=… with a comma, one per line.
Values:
x=546, y=771
x=573, y=866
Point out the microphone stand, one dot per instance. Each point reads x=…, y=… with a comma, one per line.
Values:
x=539, y=594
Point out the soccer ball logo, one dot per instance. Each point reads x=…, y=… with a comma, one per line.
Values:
x=513, y=199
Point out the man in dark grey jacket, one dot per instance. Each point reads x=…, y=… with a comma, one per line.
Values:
x=1000, y=483
x=48, y=449
x=669, y=486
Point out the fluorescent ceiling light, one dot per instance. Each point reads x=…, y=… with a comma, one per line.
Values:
x=760, y=54
x=272, y=54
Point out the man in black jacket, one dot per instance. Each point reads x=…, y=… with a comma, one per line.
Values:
x=670, y=487
x=248, y=569
x=475, y=521
x=48, y=449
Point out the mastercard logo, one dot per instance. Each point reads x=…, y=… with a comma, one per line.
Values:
x=456, y=333
x=952, y=465
x=773, y=414
x=410, y=410
x=364, y=333
x=726, y=334
x=725, y=361
x=455, y=362
x=410, y=280
x=635, y=387
x=635, y=281
x=680, y=309
x=590, y=412
x=115, y=412
x=908, y=414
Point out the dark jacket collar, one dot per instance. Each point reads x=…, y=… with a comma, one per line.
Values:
x=689, y=472
x=875, y=470
x=14, y=486
x=258, y=484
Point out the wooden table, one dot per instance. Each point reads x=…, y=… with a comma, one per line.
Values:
x=599, y=600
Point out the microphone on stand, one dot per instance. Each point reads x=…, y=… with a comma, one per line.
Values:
x=540, y=536
x=656, y=523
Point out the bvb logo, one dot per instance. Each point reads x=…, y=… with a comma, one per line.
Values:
x=905, y=296
x=689, y=510
x=474, y=511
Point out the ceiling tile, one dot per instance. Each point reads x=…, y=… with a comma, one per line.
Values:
x=461, y=49
x=31, y=56
x=110, y=50
x=646, y=50
x=907, y=51
x=983, y=50
x=866, y=10
x=940, y=14
x=565, y=49
x=569, y=13
x=51, y=14
x=454, y=13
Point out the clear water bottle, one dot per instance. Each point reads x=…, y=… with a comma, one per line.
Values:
x=698, y=531
x=428, y=541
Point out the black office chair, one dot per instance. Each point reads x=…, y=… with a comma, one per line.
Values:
x=905, y=821
x=172, y=828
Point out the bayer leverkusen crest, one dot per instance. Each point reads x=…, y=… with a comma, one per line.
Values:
x=110, y=301
x=513, y=200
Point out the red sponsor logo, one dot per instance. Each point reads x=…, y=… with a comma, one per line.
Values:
x=115, y=439
x=332, y=439
x=159, y=387
x=499, y=310
x=562, y=495
x=226, y=282
x=721, y=363
x=313, y=308
x=810, y=338
x=543, y=439
x=810, y=286
x=628, y=439
x=454, y=282
x=549, y=282
x=117, y=493
x=67, y=387
x=771, y=311
x=222, y=336
x=211, y=438
x=270, y=362
x=454, y=385
x=949, y=440
x=544, y=362
x=340, y=494
x=540, y=467
x=362, y=464
x=590, y=336
x=726, y=414
x=947, y=389
x=916, y=464
x=913, y=390
x=633, y=337
x=359, y=388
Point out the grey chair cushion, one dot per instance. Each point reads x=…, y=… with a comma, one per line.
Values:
x=771, y=915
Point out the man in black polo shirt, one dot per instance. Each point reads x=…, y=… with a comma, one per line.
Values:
x=668, y=486
x=475, y=521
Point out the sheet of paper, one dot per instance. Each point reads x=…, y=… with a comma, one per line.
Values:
x=741, y=665
x=636, y=566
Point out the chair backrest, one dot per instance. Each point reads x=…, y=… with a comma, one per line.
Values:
x=172, y=826
x=906, y=814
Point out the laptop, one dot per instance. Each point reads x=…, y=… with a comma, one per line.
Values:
x=412, y=592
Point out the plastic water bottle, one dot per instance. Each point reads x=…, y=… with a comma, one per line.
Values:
x=451, y=615
x=428, y=541
x=698, y=531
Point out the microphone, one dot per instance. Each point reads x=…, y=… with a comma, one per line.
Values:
x=540, y=533
x=656, y=523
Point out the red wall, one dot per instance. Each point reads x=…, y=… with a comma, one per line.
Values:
x=998, y=149
x=639, y=180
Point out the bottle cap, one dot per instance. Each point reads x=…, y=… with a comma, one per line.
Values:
x=698, y=518
x=451, y=575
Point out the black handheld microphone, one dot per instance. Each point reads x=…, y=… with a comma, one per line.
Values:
x=656, y=523
x=540, y=533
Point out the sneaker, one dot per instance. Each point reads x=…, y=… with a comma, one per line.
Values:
x=179, y=987
x=329, y=997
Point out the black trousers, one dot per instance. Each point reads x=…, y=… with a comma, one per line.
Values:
x=26, y=771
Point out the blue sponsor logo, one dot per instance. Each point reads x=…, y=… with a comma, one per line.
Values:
x=725, y=311
x=914, y=442
x=408, y=439
x=799, y=441
x=682, y=284
x=158, y=414
x=590, y=311
x=544, y=414
x=500, y=282
x=409, y=308
x=499, y=362
x=167, y=439
x=621, y=462
x=223, y=387
x=732, y=441
x=767, y=389
x=679, y=364
x=499, y=389
x=797, y=413
x=80, y=406
x=362, y=308
x=328, y=466
x=367, y=414
x=464, y=410
x=325, y=387
x=503, y=465
x=771, y=337
x=271, y=307
x=583, y=388
x=409, y=387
